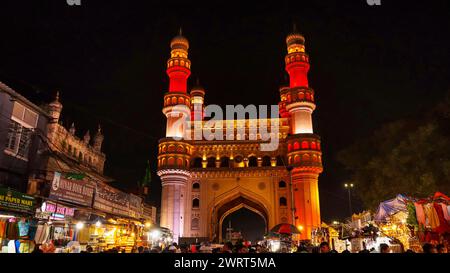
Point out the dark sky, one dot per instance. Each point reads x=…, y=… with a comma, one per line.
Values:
x=369, y=65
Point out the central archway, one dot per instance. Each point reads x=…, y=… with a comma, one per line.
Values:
x=251, y=224
x=236, y=204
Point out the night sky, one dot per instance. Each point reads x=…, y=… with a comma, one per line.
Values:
x=369, y=65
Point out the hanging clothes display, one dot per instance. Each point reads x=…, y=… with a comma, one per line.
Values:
x=2, y=229
x=24, y=227
x=12, y=231
x=420, y=214
x=412, y=218
x=431, y=216
x=446, y=211
x=11, y=246
x=443, y=225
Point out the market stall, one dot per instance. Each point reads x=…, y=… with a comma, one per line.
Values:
x=17, y=226
x=414, y=221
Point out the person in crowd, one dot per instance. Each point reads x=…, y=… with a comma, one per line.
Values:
x=333, y=251
x=346, y=251
x=384, y=248
x=429, y=248
x=227, y=248
x=410, y=251
x=441, y=248
x=242, y=249
x=140, y=249
x=302, y=249
x=146, y=250
x=89, y=249
x=172, y=249
x=324, y=247
x=37, y=249
x=258, y=249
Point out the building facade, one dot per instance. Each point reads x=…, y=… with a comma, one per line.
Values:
x=20, y=123
x=203, y=181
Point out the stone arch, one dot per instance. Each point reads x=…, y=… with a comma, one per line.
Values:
x=234, y=200
x=224, y=162
x=196, y=162
x=266, y=161
x=253, y=161
x=211, y=162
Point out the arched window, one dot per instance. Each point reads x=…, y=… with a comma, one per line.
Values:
x=180, y=149
x=225, y=162
x=280, y=161
x=80, y=156
x=196, y=186
x=252, y=161
x=197, y=162
x=283, y=202
x=266, y=161
x=211, y=162
x=313, y=145
x=281, y=184
x=297, y=159
x=171, y=161
x=179, y=162
x=305, y=145
x=305, y=157
x=296, y=146
x=289, y=147
x=195, y=203
x=171, y=148
x=195, y=223
x=174, y=100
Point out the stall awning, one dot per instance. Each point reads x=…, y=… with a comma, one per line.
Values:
x=390, y=207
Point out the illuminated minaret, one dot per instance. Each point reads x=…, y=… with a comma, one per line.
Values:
x=177, y=101
x=304, y=151
x=174, y=152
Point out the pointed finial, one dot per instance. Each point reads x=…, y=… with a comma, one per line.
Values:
x=99, y=130
x=197, y=82
x=294, y=27
x=72, y=128
x=57, y=96
x=180, y=32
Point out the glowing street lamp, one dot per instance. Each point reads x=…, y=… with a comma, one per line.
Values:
x=349, y=187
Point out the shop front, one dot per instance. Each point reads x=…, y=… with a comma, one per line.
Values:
x=17, y=226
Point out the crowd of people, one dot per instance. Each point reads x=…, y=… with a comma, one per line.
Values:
x=228, y=247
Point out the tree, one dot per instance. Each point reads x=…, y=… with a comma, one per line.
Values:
x=407, y=157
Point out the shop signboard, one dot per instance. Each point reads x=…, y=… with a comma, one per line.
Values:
x=16, y=201
x=74, y=191
x=111, y=200
x=57, y=211
x=136, y=209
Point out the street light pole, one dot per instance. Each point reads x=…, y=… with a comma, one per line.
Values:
x=349, y=187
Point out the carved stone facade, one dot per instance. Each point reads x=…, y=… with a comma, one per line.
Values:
x=203, y=181
x=85, y=153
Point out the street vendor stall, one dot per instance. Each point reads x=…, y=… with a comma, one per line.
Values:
x=17, y=227
x=414, y=221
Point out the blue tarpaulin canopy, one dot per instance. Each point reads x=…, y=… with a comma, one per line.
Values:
x=390, y=207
